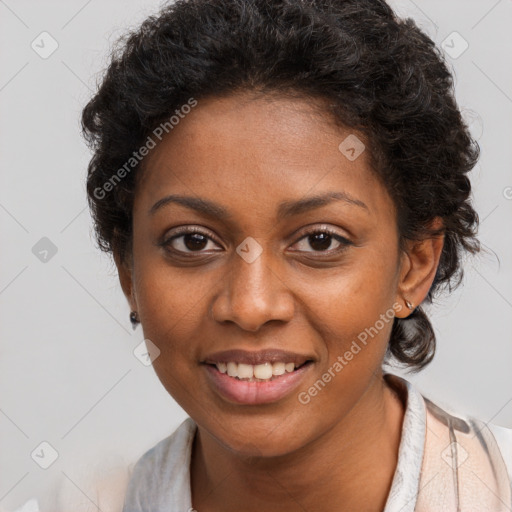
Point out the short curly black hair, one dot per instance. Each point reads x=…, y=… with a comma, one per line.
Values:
x=380, y=75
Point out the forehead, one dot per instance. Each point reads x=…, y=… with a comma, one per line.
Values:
x=255, y=152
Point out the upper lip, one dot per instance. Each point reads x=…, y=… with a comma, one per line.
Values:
x=270, y=355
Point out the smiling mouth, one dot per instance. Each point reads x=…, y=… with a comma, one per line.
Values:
x=266, y=372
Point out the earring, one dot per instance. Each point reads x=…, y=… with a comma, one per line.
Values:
x=134, y=319
x=410, y=305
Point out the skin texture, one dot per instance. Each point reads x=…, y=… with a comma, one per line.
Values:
x=249, y=154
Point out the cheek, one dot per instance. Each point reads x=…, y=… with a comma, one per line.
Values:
x=172, y=307
x=170, y=312
x=353, y=323
x=353, y=309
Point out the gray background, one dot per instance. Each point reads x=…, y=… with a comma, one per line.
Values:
x=68, y=375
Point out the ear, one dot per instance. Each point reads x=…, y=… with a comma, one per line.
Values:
x=418, y=268
x=124, y=269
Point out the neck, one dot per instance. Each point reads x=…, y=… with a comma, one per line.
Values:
x=335, y=468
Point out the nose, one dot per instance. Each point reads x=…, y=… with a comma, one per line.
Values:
x=253, y=294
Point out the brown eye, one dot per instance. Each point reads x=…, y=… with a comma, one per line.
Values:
x=323, y=240
x=194, y=241
x=188, y=240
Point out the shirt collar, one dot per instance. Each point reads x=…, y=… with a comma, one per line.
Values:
x=404, y=488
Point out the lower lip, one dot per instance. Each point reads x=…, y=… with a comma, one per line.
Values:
x=252, y=393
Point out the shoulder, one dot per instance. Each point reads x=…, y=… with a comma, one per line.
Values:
x=166, y=454
x=99, y=486
x=469, y=458
x=503, y=437
x=465, y=461
x=161, y=476
x=494, y=440
x=447, y=423
x=114, y=485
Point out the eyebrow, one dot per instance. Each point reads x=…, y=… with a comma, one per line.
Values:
x=285, y=209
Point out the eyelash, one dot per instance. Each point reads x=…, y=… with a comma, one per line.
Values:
x=191, y=230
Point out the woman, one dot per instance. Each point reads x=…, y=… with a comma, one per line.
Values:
x=283, y=186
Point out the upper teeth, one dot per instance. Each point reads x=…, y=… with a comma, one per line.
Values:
x=258, y=371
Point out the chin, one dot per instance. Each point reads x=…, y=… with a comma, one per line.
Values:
x=271, y=437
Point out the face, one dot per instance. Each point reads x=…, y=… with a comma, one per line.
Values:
x=253, y=261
